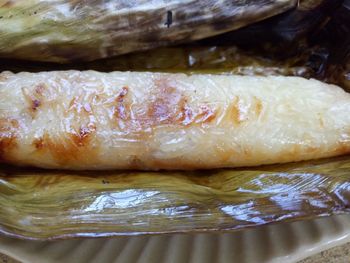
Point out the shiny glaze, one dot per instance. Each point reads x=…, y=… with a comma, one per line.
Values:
x=124, y=120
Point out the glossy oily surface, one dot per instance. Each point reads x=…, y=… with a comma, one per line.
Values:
x=38, y=204
x=49, y=204
x=150, y=121
x=37, y=29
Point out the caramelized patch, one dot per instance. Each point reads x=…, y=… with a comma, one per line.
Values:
x=342, y=148
x=83, y=136
x=233, y=112
x=38, y=143
x=311, y=149
x=63, y=151
x=170, y=106
x=239, y=111
x=258, y=106
x=166, y=107
x=35, y=104
x=166, y=104
x=34, y=99
x=69, y=147
x=8, y=137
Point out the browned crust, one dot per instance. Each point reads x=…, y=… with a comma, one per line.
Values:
x=83, y=137
x=166, y=104
x=71, y=148
x=8, y=138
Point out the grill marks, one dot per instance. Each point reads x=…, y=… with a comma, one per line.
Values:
x=63, y=149
x=38, y=143
x=64, y=144
x=239, y=111
x=82, y=138
x=68, y=147
x=165, y=104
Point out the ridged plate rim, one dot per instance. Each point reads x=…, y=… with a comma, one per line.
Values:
x=332, y=231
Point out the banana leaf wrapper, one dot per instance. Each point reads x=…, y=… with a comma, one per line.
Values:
x=38, y=204
x=66, y=31
x=310, y=41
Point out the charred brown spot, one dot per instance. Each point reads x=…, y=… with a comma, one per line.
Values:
x=34, y=98
x=342, y=148
x=38, y=143
x=166, y=107
x=233, y=112
x=8, y=137
x=6, y=145
x=35, y=104
x=166, y=104
x=83, y=136
x=67, y=148
x=170, y=106
x=62, y=150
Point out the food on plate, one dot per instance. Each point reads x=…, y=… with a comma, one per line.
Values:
x=51, y=204
x=65, y=31
x=137, y=120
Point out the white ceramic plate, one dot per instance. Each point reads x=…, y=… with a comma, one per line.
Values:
x=289, y=242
